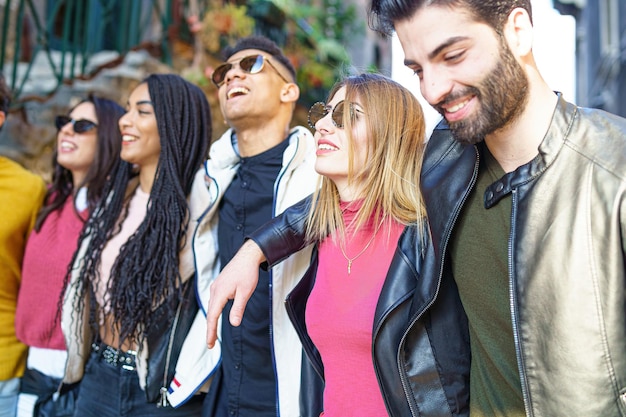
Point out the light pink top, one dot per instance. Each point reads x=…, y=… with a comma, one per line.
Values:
x=340, y=318
x=137, y=208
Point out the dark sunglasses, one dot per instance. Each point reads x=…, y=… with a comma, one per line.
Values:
x=319, y=110
x=252, y=64
x=80, y=126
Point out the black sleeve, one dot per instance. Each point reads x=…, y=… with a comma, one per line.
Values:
x=283, y=235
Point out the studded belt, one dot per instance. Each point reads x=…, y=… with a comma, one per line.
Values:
x=112, y=356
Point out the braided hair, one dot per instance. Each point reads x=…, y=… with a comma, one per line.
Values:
x=146, y=274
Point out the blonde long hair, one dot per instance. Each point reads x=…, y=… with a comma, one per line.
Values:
x=389, y=183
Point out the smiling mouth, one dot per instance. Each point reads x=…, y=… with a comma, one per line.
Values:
x=457, y=101
x=327, y=147
x=237, y=91
x=128, y=138
x=67, y=146
x=456, y=107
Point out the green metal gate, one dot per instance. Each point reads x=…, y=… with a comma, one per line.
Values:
x=65, y=34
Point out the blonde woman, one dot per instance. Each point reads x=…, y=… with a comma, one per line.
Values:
x=354, y=302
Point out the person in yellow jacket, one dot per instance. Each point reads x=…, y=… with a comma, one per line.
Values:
x=21, y=196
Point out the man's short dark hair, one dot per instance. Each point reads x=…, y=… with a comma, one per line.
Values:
x=5, y=95
x=263, y=44
x=383, y=14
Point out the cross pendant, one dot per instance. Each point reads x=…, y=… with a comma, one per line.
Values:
x=349, y=265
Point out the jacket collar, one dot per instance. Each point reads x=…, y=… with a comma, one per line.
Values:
x=552, y=143
x=225, y=151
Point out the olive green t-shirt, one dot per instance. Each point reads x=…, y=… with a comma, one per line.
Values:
x=479, y=255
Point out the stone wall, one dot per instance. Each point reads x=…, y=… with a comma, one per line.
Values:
x=29, y=135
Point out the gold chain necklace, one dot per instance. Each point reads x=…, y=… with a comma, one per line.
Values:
x=350, y=260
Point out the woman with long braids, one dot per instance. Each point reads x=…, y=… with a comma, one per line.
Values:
x=129, y=302
x=87, y=150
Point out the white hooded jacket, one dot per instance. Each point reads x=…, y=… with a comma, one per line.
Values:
x=296, y=180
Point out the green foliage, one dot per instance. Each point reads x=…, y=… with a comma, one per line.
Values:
x=317, y=33
x=224, y=24
x=196, y=76
x=311, y=32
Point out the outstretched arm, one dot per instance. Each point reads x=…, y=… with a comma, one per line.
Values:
x=237, y=281
x=277, y=239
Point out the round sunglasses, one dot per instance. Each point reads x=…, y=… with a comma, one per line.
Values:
x=79, y=126
x=252, y=64
x=319, y=110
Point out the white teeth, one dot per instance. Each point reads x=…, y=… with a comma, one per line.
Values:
x=237, y=91
x=66, y=146
x=128, y=138
x=456, y=107
x=326, y=147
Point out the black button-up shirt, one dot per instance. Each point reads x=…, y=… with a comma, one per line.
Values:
x=248, y=380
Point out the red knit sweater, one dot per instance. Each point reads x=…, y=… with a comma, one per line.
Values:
x=47, y=256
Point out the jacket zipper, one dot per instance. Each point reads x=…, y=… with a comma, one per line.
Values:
x=403, y=377
x=455, y=215
x=163, y=402
x=514, y=310
x=378, y=326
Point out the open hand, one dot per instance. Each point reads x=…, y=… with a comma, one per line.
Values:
x=237, y=282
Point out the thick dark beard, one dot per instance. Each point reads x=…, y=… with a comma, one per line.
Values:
x=502, y=96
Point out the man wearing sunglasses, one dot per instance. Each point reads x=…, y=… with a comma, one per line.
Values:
x=519, y=305
x=258, y=168
x=21, y=196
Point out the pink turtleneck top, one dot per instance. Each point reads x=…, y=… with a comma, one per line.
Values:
x=340, y=315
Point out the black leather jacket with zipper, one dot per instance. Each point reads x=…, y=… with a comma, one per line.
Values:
x=420, y=343
x=567, y=276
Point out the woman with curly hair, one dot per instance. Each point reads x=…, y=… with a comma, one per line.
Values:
x=87, y=150
x=129, y=303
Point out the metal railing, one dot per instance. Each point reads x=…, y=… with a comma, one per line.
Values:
x=47, y=43
x=64, y=35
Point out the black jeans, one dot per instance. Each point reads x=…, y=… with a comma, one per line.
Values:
x=110, y=391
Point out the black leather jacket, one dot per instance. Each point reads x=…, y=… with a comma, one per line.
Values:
x=420, y=340
x=567, y=276
x=567, y=264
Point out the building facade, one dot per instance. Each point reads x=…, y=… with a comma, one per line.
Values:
x=600, y=52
